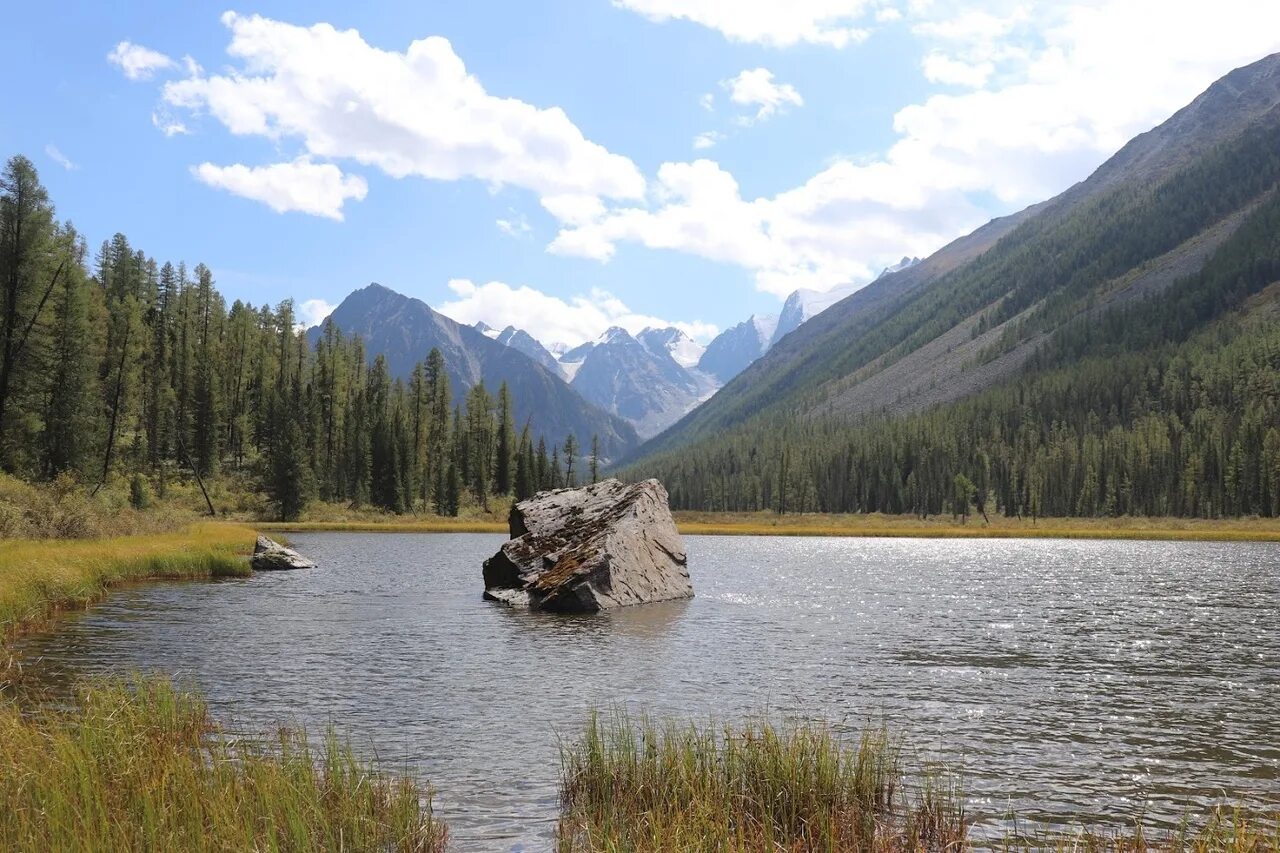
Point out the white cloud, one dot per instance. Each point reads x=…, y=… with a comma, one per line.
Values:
x=312, y=312
x=755, y=88
x=138, y=62
x=416, y=113
x=940, y=68
x=846, y=222
x=162, y=121
x=515, y=225
x=707, y=139
x=552, y=319
x=1067, y=85
x=708, y=102
x=51, y=151
x=776, y=23
x=319, y=189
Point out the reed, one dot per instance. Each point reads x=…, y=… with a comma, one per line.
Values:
x=137, y=765
x=638, y=785
x=38, y=578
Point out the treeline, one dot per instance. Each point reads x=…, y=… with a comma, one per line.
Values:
x=1169, y=406
x=123, y=367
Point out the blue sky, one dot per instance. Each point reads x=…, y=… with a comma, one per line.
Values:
x=304, y=149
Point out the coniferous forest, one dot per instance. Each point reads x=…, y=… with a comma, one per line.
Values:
x=114, y=365
x=1167, y=406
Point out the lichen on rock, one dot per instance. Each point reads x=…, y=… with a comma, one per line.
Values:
x=610, y=544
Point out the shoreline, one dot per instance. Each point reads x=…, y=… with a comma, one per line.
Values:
x=40, y=578
x=869, y=526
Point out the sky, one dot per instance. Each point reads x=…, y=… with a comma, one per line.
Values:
x=569, y=165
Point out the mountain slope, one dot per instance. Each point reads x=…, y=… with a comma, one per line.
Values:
x=1167, y=235
x=405, y=330
x=1032, y=261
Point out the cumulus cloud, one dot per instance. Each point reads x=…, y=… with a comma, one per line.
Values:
x=551, y=319
x=839, y=227
x=138, y=62
x=51, y=151
x=319, y=189
x=755, y=88
x=311, y=312
x=412, y=113
x=836, y=23
x=1054, y=89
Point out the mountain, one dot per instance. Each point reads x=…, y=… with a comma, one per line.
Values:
x=404, y=331
x=638, y=378
x=682, y=349
x=735, y=348
x=1066, y=324
x=524, y=342
x=802, y=305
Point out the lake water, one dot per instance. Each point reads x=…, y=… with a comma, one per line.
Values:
x=1076, y=681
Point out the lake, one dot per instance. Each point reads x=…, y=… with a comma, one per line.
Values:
x=1076, y=681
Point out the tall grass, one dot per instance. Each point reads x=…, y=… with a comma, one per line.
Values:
x=137, y=766
x=638, y=785
x=38, y=578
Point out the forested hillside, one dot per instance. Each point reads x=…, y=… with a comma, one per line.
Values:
x=1109, y=354
x=123, y=367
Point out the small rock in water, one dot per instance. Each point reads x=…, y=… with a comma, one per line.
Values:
x=606, y=545
x=270, y=556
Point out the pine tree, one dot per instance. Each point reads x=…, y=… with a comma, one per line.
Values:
x=595, y=459
x=503, y=473
x=31, y=264
x=525, y=482
x=570, y=456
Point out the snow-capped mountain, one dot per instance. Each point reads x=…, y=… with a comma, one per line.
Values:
x=639, y=378
x=684, y=350
x=655, y=377
x=733, y=349
x=803, y=304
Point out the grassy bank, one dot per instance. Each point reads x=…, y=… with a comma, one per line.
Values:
x=945, y=527
x=771, y=524
x=395, y=525
x=137, y=766
x=39, y=578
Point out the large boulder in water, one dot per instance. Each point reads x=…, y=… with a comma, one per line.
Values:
x=581, y=550
x=270, y=556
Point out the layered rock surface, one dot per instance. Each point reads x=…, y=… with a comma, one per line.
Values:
x=271, y=556
x=602, y=546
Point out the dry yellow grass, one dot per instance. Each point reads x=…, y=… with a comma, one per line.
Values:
x=771, y=524
x=405, y=525
x=40, y=577
x=907, y=526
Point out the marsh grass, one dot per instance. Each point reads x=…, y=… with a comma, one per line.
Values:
x=137, y=765
x=39, y=578
x=634, y=784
